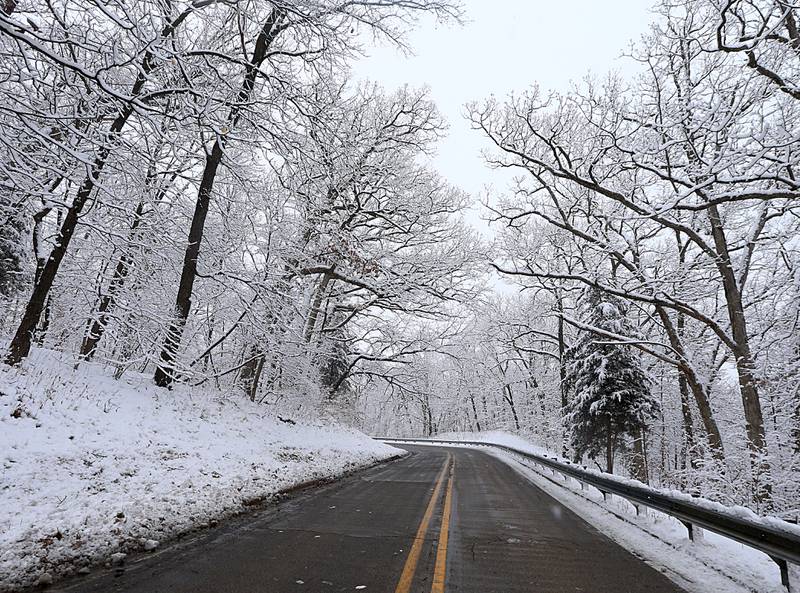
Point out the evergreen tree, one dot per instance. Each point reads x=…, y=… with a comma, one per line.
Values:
x=13, y=259
x=611, y=398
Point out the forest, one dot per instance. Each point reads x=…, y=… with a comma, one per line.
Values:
x=202, y=193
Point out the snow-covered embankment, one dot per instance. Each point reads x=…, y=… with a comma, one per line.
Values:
x=90, y=466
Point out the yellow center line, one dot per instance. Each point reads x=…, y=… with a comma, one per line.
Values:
x=404, y=584
x=440, y=570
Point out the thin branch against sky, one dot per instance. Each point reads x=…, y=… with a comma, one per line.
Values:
x=505, y=46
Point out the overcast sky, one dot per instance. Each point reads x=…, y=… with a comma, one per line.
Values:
x=506, y=45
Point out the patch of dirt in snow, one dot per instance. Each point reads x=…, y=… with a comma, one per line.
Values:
x=92, y=467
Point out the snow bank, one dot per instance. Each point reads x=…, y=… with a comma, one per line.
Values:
x=495, y=437
x=92, y=466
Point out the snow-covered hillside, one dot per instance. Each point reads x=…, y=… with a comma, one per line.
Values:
x=91, y=466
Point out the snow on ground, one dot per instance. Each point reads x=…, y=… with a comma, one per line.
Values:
x=495, y=437
x=91, y=466
x=710, y=563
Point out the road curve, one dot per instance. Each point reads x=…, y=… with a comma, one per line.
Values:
x=440, y=520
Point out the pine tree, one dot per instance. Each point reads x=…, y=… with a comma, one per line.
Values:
x=13, y=259
x=610, y=388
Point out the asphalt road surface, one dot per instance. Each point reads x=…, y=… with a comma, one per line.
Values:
x=440, y=520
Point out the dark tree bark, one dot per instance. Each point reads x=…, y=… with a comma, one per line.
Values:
x=797, y=425
x=686, y=413
x=165, y=371
x=21, y=342
x=427, y=416
x=98, y=324
x=20, y=345
x=509, y=397
x=250, y=374
x=475, y=412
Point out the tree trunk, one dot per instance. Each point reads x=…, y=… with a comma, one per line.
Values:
x=686, y=412
x=475, y=411
x=165, y=371
x=694, y=384
x=562, y=371
x=164, y=375
x=316, y=304
x=639, y=463
x=797, y=424
x=745, y=365
x=427, y=416
x=250, y=374
x=509, y=397
x=100, y=320
x=20, y=345
x=609, y=448
x=21, y=342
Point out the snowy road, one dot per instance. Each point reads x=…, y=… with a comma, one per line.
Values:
x=441, y=519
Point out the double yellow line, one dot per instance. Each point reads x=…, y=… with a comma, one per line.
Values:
x=440, y=568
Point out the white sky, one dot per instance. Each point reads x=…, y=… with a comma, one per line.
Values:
x=505, y=45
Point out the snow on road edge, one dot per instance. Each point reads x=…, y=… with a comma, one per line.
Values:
x=93, y=467
x=515, y=442
x=714, y=563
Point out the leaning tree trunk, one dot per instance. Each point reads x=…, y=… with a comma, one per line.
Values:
x=475, y=411
x=745, y=365
x=121, y=271
x=165, y=371
x=509, y=397
x=20, y=345
x=694, y=383
x=21, y=342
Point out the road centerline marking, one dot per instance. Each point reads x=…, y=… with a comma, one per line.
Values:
x=410, y=567
x=440, y=568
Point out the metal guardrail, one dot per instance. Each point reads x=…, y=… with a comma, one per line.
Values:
x=780, y=545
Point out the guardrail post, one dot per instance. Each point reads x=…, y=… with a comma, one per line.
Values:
x=695, y=533
x=793, y=577
x=790, y=577
x=690, y=528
